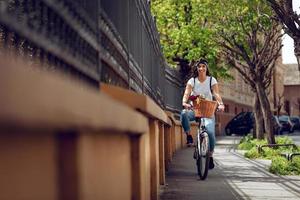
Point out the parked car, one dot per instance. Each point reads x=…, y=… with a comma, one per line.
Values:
x=278, y=130
x=287, y=124
x=241, y=124
x=296, y=121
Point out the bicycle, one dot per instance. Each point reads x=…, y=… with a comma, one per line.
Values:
x=203, y=109
x=201, y=153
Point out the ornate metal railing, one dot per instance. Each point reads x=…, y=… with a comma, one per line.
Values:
x=112, y=41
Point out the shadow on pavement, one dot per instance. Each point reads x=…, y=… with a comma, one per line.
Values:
x=234, y=177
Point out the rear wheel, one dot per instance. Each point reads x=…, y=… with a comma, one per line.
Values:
x=203, y=156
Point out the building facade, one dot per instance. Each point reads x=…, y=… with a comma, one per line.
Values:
x=238, y=97
x=292, y=90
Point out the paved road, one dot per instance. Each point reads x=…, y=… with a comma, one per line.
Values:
x=296, y=137
x=234, y=177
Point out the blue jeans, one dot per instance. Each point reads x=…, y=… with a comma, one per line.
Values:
x=188, y=115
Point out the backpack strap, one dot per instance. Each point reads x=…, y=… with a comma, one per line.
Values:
x=213, y=97
x=210, y=85
x=194, y=84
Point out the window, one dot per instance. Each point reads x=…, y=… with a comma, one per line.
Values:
x=235, y=110
x=226, y=109
x=287, y=107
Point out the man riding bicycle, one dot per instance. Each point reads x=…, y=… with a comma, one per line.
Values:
x=204, y=85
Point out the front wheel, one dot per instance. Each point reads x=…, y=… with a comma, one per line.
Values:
x=203, y=156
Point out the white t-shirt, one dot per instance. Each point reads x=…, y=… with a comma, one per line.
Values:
x=202, y=88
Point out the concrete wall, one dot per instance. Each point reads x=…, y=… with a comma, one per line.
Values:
x=61, y=140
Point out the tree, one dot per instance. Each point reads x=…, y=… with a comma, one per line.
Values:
x=258, y=131
x=279, y=104
x=290, y=21
x=186, y=34
x=235, y=32
x=251, y=42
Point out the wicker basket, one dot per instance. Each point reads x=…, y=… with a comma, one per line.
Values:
x=204, y=108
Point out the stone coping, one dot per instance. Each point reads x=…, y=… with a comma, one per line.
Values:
x=35, y=98
x=140, y=102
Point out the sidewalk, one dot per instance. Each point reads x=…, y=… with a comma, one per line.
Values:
x=234, y=177
x=295, y=136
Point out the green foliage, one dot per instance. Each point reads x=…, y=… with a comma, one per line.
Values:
x=186, y=32
x=240, y=18
x=245, y=146
x=294, y=167
x=269, y=153
x=252, y=153
x=283, y=140
x=191, y=29
x=280, y=165
x=182, y=30
x=248, y=142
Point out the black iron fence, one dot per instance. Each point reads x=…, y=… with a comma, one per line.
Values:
x=113, y=41
x=60, y=34
x=173, y=90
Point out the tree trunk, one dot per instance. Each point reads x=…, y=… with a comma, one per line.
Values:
x=266, y=111
x=297, y=50
x=258, y=129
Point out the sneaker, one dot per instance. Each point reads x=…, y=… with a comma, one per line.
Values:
x=211, y=163
x=190, y=144
x=189, y=140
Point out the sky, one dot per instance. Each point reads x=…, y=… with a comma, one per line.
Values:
x=288, y=56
